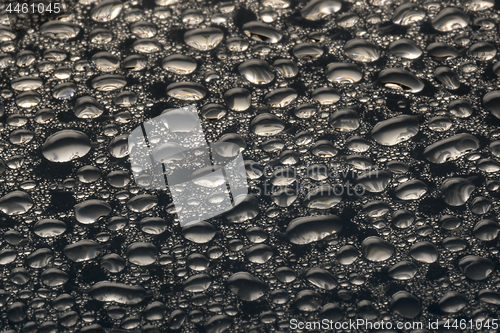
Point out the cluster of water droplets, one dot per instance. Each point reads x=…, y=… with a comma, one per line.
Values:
x=398, y=99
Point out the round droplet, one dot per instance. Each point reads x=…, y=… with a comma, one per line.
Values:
x=307, y=51
x=403, y=270
x=83, y=250
x=316, y=10
x=141, y=253
x=491, y=102
x=280, y=97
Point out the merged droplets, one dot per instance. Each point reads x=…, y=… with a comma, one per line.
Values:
x=451, y=148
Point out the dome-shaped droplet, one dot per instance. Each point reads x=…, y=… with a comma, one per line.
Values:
x=286, y=67
x=49, y=228
x=405, y=48
x=425, y=252
x=491, y=102
x=200, y=232
x=142, y=253
x=266, y=124
x=325, y=95
x=447, y=78
x=408, y=13
x=105, y=61
x=307, y=51
x=403, y=270
x=395, y=130
x=87, y=107
x=441, y=51
x=450, y=18
x=262, y=32
x=405, y=304
x=90, y=211
x=411, y=190
x=345, y=120
x=256, y=71
x=204, y=39
x=376, y=249
x=106, y=10
x=305, y=230
x=246, y=287
x=362, y=50
x=399, y=79
x=179, y=64
x=59, y=30
x=280, y=97
x=316, y=10
x=65, y=146
x=109, y=82
x=339, y=72
x=106, y=291
x=186, y=91
x=83, y=250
